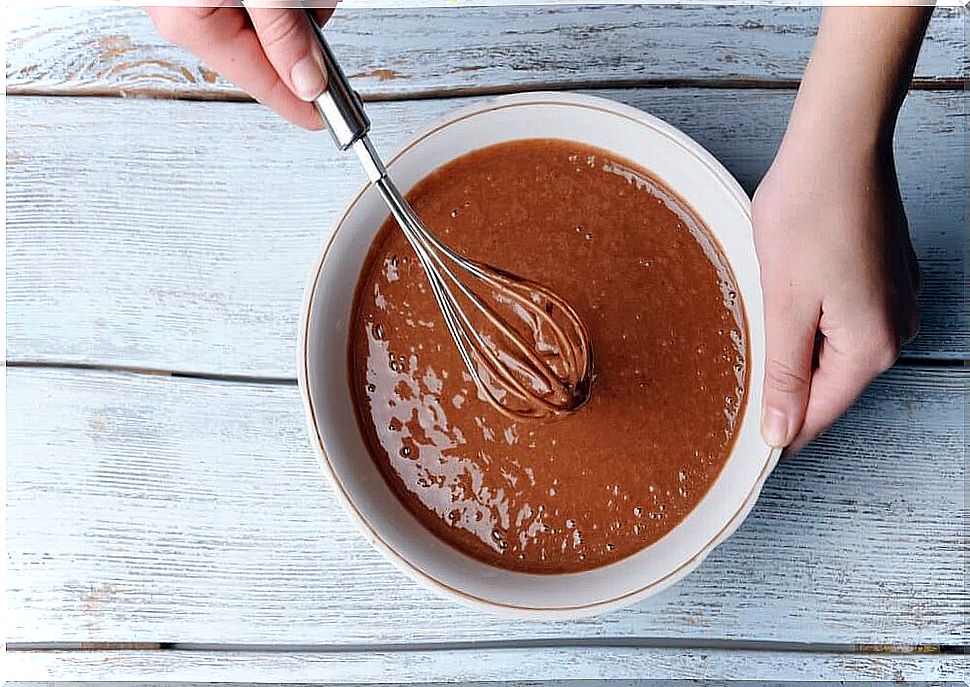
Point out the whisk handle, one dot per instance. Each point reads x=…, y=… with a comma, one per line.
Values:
x=339, y=106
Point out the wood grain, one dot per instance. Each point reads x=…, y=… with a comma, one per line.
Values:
x=947, y=663
x=175, y=235
x=162, y=509
x=411, y=52
x=524, y=666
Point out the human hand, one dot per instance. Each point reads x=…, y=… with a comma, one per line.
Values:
x=269, y=52
x=839, y=275
x=838, y=270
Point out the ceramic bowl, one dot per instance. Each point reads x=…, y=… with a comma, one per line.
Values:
x=683, y=166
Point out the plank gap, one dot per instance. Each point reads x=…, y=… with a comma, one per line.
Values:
x=944, y=84
x=157, y=372
x=489, y=645
x=553, y=667
x=914, y=361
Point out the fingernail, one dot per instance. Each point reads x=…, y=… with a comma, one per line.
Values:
x=774, y=427
x=308, y=78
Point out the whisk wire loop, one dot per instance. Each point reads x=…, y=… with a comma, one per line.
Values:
x=554, y=392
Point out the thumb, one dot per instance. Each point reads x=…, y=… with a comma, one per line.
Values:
x=790, y=326
x=291, y=48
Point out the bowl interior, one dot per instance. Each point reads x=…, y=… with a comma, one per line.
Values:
x=716, y=198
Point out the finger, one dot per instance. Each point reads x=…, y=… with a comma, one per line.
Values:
x=227, y=43
x=839, y=380
x=791, y=322
x=322, y=14
x=286, y=37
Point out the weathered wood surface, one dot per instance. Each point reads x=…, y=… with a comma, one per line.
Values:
x=524, y=666
x=163, y=509
x=177, y=235
x=593, y=682
x=410, y=51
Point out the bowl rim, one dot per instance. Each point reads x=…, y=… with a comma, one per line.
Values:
x=398, y=559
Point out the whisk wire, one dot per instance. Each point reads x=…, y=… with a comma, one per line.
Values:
x=564, y=389
x=465, y=337
x=500, y=280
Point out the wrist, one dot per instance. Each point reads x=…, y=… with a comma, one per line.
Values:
x=840, y=123
x=857, y=77
x=847, y=119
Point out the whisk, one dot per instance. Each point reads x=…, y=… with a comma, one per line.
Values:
x=535, y=361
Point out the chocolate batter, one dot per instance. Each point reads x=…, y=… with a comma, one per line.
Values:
x=668, y=336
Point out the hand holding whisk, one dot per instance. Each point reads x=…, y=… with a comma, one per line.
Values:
x=525, y=348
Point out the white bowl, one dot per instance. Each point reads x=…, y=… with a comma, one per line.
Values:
x=720, y=202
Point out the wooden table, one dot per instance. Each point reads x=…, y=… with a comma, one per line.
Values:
x=167, y=519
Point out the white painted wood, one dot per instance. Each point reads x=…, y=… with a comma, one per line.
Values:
x=180, y=235
x=521, y=665
x=156, y=509
x=411, y=51
x=163, y=509
x=605, y=682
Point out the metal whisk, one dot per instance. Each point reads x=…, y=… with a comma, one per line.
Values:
x=535, y=361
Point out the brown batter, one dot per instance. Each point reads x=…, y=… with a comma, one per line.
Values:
x=668, y=337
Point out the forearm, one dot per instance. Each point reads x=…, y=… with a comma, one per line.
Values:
x=858, y=74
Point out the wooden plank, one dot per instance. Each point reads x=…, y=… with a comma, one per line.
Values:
x=605, y=682
x=521, y=665
x=413, y=51
x=163, y=509
x=180, y=235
